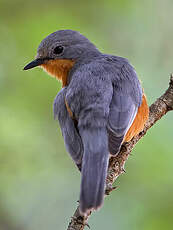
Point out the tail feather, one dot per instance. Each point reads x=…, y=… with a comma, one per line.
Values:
x=94, y=169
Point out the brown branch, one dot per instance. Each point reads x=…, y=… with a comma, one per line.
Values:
x=158, y=109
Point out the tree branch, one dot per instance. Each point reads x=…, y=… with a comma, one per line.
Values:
x=158, y=109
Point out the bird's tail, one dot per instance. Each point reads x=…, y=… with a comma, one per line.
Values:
x=94, y=169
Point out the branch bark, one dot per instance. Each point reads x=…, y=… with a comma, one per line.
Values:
x=158, y=109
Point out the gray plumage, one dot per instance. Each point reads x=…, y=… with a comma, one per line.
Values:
x=104, y=94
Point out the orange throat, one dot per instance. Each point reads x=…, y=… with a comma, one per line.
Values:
x=59, y=69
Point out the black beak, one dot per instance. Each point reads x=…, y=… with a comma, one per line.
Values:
x=36, y=62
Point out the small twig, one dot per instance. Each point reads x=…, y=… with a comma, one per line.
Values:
x=158, y=109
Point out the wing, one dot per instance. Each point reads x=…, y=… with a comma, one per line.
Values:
x=126, y=99
x=69, y=130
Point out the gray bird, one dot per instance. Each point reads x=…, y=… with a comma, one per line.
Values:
x=100, y=106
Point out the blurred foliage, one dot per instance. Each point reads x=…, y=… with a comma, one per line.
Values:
x=39, y=185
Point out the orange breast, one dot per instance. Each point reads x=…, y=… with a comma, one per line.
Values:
x=59, y=69
x=140, y=120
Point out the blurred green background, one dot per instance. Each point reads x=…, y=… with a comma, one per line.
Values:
x=39, y=184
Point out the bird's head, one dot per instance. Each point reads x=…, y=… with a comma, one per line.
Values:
x=59, y=51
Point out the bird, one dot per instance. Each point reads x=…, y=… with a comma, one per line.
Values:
x=100, y=106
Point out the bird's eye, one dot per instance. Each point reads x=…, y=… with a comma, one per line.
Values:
x=58, y=50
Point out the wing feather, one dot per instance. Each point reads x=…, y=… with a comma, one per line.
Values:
x=126, y=99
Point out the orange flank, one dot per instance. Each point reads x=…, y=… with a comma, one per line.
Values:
x=139, y=122
x=69, y=110
x=59, y=69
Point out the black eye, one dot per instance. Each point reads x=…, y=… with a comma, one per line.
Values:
x=58, y=50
